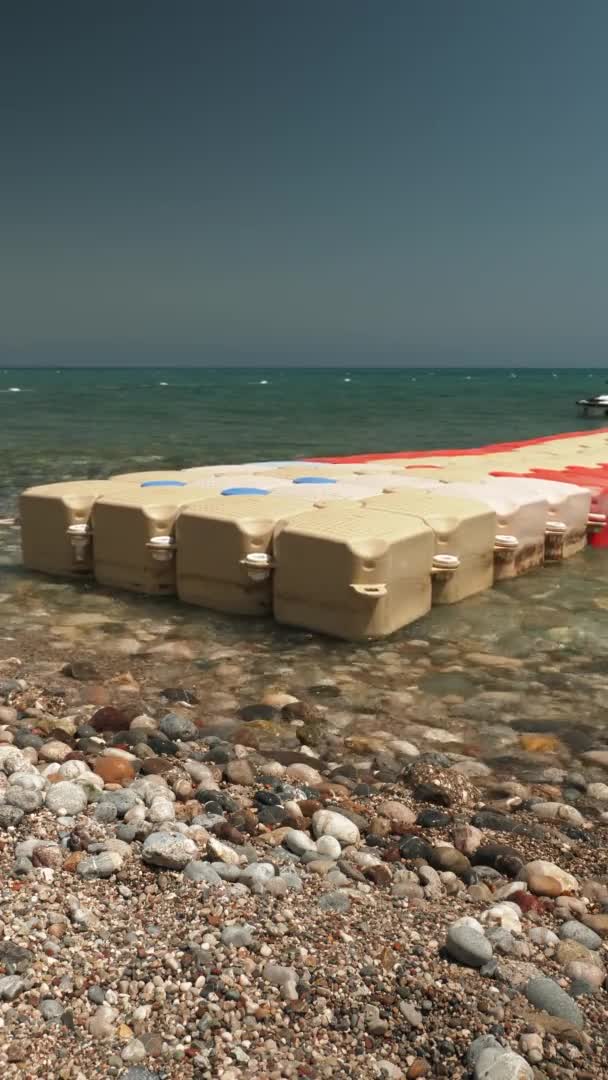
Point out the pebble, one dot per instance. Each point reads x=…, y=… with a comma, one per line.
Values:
x=134, y=1051
x=113, y=769
x=161, y=809
x=170, y=850
x=330, y=823
x=335, y=901
x=223, y=852
x=237, y=936
x=555, y=811
x=576, y=931
x=26, y=799
x=239, y=772
x=66, y=799
x=541, y=875
x=51, y=1010
x=545, y=993
x=283, y=977
x=329, y=847
x=467, y=945
x=10, y=987
x=298, y=841
x=396, y=812
x=10, y=816
x=137, y=1072
x=178, y=728
x=256, y=875
x=103, y=865
x=500, y=1064
x=202, y=872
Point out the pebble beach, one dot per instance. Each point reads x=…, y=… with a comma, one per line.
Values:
x=232, y=850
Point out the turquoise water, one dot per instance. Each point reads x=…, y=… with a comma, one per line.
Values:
x=91, y=422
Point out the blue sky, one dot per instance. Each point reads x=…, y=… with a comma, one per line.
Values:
x=313, y=178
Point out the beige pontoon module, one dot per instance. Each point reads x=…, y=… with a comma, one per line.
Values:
x=254, y=483
x=307, y=470
x=55, y=525
x=133, y=534
x=464, y=532
x=335, y=489
x=352, y=572
x=569, y=512
x=521, y=520
x=224, y=550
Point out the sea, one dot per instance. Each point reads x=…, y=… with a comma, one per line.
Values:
x=89, y=422
x=538, y=643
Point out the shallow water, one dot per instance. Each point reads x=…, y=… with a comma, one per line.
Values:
x=529, y=656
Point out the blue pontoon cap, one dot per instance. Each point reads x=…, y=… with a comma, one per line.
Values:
x=314, y=480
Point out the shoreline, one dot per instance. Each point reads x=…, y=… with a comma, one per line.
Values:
x=127, y=964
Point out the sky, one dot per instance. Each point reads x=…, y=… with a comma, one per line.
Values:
x=304, y=178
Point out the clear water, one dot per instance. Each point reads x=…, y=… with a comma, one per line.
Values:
x=91, y=422
x=420, y=684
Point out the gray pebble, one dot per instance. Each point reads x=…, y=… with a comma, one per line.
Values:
x=283, y=977
x=10, y=987
x=294, y=883
x=501, y=940
x=102, y=865
x=256, y=875
x=237, y=936
x=202, y=871
x=468, y=946
x=10, y=816
x=105, y=812
x=335, y=901
x=545, y=994
x=411, y=1013
x=178, y=728
x=298, y=841
x=226, y=871
x=51, y=1009
x=139, y=1072
x=123, y=800
x=501, y=1064
x=23, y=867
x=481, y=1043
x=170, y=850
x=573, y=930
x=26, y=799
x=66, y=798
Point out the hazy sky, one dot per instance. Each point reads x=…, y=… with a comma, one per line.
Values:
x=309, y=175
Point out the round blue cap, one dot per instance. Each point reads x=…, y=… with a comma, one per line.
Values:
x=245, y=491
x=314, y=480
x=164, y=483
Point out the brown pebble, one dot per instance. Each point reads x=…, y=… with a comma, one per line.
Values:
x=310, y=806
x=113, y=770
x=110, y=719
x=419, y=1067
x=391, y=854
x=380, y=826
x=599, y=923
x=155, y=766
x=380, y=875
x=244, y=820
x=225, y=831
x=72, y=861
x=17, y=1051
